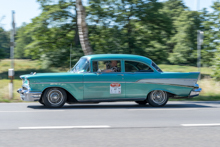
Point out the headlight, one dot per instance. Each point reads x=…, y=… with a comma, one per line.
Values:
x=26, y=81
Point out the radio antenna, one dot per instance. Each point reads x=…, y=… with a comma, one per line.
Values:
x=70, y=55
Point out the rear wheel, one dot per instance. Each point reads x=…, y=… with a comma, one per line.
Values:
x=157, y=98
x=54, y=97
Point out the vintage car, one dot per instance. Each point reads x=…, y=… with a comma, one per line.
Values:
x=109, y=78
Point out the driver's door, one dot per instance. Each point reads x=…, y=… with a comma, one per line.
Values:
x=99, y=84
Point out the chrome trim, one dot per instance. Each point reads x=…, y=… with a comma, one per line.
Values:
x=26, y=95
x=79, y=82
x=158, y=96
x=167, y=81
x=25, y=86
x=111, y=99
x=170, y=81
x=195, y=92
x=196, y=85
x=55, y=97
x=53, y=82
x=104, y=82
x=164, y=84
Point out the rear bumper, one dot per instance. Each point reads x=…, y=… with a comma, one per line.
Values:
x=26, y=95
x=195, y=92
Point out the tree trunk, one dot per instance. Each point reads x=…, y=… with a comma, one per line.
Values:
x=76, y=37
x=82, y=27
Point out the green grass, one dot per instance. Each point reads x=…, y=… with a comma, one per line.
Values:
x=211, y=90
x=21, y=67
x=205, y=71
x=4, y=90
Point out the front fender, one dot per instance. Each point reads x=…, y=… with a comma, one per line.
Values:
x=75, y=89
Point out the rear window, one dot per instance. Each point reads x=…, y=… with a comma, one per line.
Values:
x=133, y=66
x=156, y=67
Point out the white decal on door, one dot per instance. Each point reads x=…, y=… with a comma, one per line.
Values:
x=115, y=88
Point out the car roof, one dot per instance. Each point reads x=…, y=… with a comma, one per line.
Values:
x=118, y=56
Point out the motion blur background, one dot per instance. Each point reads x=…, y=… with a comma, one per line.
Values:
x=163, y=30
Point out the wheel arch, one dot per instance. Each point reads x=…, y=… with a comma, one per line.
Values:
x=70, y=97
x=169, y=93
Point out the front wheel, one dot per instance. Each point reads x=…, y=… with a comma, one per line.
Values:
x=54, y=97
x=157, y=98
x=41, y=102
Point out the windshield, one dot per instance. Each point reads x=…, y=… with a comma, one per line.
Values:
x=81, y=66
x=156, y=67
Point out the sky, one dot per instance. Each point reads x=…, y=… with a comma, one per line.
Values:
x=25, y=10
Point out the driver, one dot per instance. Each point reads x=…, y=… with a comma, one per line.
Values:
x=113, y=68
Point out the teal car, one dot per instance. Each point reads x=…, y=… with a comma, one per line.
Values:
x=109, y=78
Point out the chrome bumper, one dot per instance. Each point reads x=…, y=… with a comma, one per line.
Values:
x=26, y=95
x=195, y=92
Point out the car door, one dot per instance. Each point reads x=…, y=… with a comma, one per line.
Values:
x=102, y=84
x=135, y=73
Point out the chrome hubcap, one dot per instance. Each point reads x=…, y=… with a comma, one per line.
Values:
x=55, y=97
x=158, y=97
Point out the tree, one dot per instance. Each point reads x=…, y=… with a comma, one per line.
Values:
x=82, y=28
x=214, y=34
x=4, y=44
x=22, y=39
x=166, y=32
x=53, y=32
x=209, y=42
x=181, y=43
x=129, y=26
x=185, y=39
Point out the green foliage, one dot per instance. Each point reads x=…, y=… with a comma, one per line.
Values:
x=209, y=43
x=130, y=27
x=182, y=41
x=216, y=65
x=4, y=44
x=23, y=38
x=166, y=32
x=52, y=33
x=214, y=23
x=185, y=40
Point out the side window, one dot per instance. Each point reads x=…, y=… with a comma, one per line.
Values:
x=132, y=66
x=107, y=66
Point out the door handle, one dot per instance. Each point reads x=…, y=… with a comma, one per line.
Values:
x=120, y=74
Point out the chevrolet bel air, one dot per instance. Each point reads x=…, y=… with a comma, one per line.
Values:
x=109, y=78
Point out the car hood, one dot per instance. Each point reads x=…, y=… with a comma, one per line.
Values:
x=48, y=75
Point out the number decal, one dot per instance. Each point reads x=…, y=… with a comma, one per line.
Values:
x=115, y=88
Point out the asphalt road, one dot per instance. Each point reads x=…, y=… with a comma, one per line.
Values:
x=110, y=124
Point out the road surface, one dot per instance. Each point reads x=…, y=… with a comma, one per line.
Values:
x=110, y=124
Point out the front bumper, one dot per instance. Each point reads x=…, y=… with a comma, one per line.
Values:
x=195, y=92
x=26, y=95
